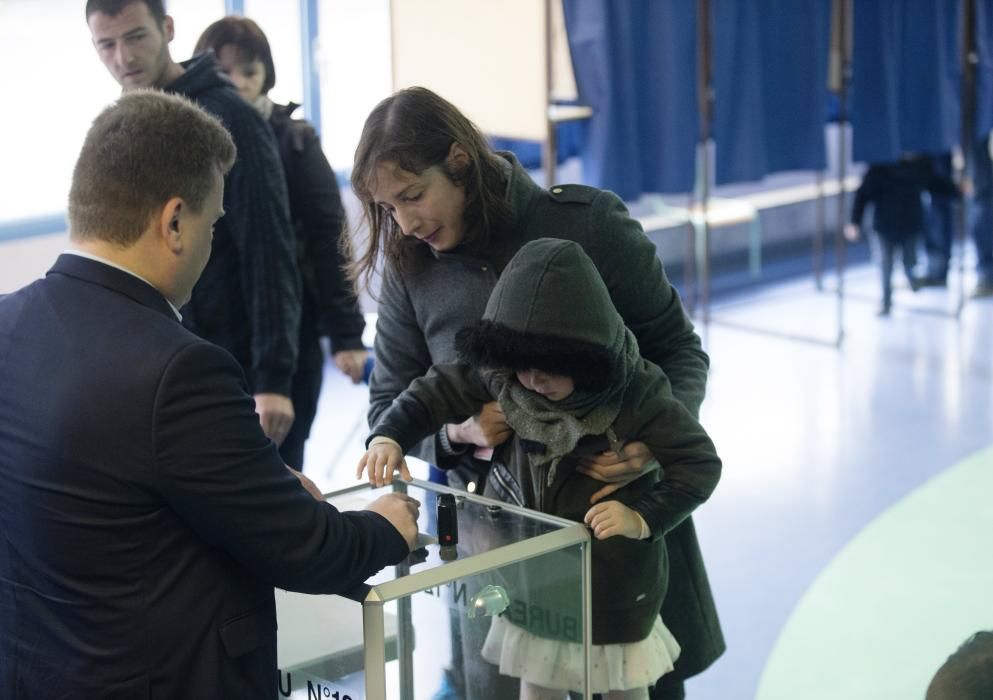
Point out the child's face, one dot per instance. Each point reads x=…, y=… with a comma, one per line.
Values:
x=553, y=387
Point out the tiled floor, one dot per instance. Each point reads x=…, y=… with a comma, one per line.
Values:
x=848, y=542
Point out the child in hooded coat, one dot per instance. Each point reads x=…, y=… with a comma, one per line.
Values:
x=552, y=350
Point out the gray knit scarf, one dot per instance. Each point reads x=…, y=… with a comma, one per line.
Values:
x=559, y=425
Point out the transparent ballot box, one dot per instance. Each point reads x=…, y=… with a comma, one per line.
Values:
x=510, y=599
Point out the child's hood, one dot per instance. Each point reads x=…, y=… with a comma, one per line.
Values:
x=549, y=310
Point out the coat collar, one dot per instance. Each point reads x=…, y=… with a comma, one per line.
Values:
x=111, y=278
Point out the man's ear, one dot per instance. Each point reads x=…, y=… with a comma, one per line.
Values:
x=458, y=159
x=168, y=28
x=170, y=224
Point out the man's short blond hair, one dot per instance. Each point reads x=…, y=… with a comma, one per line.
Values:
x=143, y=150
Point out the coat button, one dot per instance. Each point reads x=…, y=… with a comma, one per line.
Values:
x=556, y=190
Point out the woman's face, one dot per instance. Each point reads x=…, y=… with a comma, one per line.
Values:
x=553, y=387
x=247, y=76
x=428, y=206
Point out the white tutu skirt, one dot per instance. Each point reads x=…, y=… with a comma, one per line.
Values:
x=555, y=664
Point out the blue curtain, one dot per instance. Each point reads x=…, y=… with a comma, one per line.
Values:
x=635, y=65
x=906, y=78
x=984, y=73
x=568, y=140
x=770, y=86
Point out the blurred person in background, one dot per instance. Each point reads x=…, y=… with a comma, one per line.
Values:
x=329, y=306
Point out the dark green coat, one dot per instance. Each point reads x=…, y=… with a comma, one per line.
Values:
x=420, y=313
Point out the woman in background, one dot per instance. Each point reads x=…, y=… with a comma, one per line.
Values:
x=330, y=307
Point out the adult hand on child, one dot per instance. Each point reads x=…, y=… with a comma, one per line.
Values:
x=612, y=518
x=382, y=460
x=616, y=470
x=486, y=429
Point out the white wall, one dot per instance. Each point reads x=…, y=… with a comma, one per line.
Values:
x=26, y=259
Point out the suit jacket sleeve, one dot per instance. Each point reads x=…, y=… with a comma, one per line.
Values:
x=257, y=207
x=224, y=478
x=646, y=300
x=317, y=199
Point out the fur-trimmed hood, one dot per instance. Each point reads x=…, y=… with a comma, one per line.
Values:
x=550, y=310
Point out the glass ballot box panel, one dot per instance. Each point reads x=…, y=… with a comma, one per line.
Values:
x=507, y=598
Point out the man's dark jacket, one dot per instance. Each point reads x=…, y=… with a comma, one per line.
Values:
x=330, y=307
x=248, y=299
x=144, y=516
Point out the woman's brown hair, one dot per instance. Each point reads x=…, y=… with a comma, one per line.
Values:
x=414, y=129
x=246, y=36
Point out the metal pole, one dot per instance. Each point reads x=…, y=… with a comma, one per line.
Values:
x=550, y=149
x=311, y=76
x=703, y=155
x=373, y=628
x=234, y=7
x=970, y=59
x=689, y=261
x=405, y=625
x=819, y=233
x=845, y=57
x=587, y=583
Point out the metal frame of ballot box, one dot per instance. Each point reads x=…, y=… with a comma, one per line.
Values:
x=407, y=582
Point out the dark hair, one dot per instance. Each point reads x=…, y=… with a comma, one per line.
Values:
x=968, y=673
x=112, y=8
x=144, y=149
x=246, y=36
x=415, y=129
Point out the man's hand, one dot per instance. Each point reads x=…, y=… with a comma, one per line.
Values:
x=307, y=484
x=382, y=460
x=616, y=470
x=486, y=429
x=351, y=363
x=852, y=232
x=402, y=513
x=276, y=415
x=613, y=518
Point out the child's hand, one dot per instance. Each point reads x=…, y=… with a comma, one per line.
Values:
x=610, y=518
x=381, y=460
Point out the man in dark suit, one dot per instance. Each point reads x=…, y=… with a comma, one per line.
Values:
x=144, y=515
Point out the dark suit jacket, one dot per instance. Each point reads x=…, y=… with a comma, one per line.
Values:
x=144, y=516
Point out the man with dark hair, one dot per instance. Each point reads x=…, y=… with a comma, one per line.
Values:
x=144, y=516
x=248, y=300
